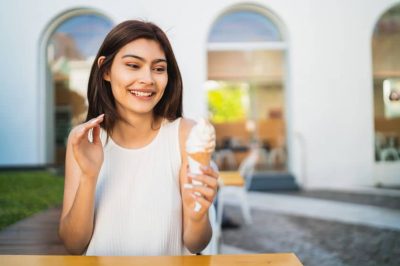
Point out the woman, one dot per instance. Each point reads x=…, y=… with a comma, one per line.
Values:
x=126, y=185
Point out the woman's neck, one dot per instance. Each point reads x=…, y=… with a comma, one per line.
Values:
x=136, y=131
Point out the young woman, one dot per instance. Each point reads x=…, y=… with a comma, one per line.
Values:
x=126, y=167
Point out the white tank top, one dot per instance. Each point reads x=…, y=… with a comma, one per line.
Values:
x=138, y=206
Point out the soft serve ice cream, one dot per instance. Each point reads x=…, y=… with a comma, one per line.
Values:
x=199, y=146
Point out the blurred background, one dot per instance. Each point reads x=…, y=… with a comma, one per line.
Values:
x=304, y=96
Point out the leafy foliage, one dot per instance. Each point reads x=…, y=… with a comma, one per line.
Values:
x=226, y=103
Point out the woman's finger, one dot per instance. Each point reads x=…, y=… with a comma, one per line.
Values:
x=203, y=202
x=208, y=170
x=93, y=122
x=205, y=179
x=96, y=135
x=78, y=133
x=206, y=192
x=82, y=130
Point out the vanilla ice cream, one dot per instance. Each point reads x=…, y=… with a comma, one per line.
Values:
x=199, y=146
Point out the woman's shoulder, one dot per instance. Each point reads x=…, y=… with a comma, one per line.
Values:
x=185, y=126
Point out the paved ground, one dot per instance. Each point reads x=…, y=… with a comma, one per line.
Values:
x=378, y=200
x=316, y=242
x=335, y=228
x=325, y=209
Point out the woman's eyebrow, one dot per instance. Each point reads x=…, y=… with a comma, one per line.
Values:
x=159, y=60
x=144, y=60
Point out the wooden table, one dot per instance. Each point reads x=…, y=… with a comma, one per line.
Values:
x=284, y=259
x=231, y=178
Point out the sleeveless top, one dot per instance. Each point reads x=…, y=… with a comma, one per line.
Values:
x=138, y=205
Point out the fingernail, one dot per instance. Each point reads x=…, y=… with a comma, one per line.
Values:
x=197, y=194
x=192, y=175
x=197, y=207
x=204, y=167
x=193, y=195
x=188, y=186
x=197, y=182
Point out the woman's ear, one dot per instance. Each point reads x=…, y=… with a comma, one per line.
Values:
x=99, y=63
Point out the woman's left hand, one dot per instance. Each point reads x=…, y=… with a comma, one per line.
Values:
x=200, y=194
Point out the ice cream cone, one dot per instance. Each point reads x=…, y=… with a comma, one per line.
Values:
x=203, y=158
x=199, y=147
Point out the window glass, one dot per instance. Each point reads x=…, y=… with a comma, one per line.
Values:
x=70, y=52
x=245, y=92
x=244, y=26
x=386, y=76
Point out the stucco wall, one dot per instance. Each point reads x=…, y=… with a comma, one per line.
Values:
x=329, y=83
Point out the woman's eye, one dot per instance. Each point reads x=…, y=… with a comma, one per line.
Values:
x=133, y=66
x=160, y=69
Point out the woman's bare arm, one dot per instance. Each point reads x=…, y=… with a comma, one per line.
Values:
x=197, y=230
x=82, y=166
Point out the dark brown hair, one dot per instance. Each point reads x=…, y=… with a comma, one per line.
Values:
x=100, y=97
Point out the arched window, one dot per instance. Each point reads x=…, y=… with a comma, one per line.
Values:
x=245, y=87
x=386, y=76
x=71, y=49
x=244, y=26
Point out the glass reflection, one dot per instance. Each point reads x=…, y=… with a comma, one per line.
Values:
x=70, y=53
x=244, y=26
x=245, y=92
x=386, y=75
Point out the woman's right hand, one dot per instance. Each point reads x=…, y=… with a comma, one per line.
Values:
x=88, y=155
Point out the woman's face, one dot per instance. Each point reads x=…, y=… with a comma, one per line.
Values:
x=138, y=77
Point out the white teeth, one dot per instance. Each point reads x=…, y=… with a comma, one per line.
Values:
x=141, y=93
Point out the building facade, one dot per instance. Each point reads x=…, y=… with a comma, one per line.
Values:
x=328, y=77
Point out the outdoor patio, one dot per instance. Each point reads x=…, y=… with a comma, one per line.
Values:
x=321, y=227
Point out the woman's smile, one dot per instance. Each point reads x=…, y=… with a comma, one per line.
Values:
x=139, y=70
x=142, y=94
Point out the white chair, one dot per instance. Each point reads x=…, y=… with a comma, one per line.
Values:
x=213, y=246
x=276, y=155
x=236, y=183
x=225, y=156
x=384, y=149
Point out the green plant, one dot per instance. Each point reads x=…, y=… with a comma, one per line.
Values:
x=226, y=103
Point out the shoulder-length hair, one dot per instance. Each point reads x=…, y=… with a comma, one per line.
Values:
x=100, y=97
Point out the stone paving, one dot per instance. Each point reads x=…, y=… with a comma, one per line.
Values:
x=325, y=209
x=316, y=242
x=389, y=200
x=319, y=231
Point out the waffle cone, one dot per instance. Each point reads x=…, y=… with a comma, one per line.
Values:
x=202, y=158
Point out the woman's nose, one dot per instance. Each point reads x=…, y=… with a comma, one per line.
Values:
x=147, y=77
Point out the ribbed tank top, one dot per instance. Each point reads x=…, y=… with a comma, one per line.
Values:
x=138, y=205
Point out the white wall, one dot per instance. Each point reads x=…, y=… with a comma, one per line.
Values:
x=331, y=82
x=329, y=85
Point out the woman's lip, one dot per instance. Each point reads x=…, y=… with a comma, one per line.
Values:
x=142, y=97
x=141, y=90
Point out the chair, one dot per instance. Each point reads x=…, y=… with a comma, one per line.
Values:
x=225, y=156
x=385, y=149
x=213, y=246
x=236, y=183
